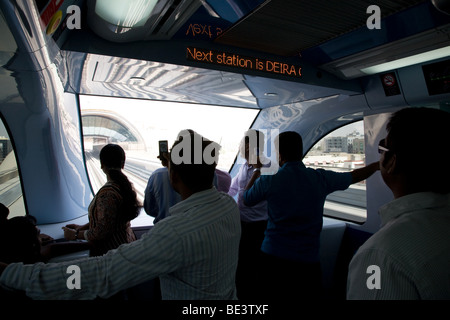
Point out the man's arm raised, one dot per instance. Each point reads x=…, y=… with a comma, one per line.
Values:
x=365, y=172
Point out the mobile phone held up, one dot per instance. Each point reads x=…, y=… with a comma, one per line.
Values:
x=163, y=147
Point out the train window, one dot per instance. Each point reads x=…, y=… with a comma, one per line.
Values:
x=138, y=125
x=10, y=186
x=342, y=150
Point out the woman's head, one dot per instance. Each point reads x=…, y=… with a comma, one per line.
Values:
x=112, y=159
x=112, y=156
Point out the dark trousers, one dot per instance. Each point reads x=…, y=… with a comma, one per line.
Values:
x=286, y=280
x=250, y=255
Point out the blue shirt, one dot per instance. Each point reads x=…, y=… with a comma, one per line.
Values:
x=159, y=195
x=295, y=196
x=194, y=251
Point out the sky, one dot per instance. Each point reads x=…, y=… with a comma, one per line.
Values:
x=347, y=129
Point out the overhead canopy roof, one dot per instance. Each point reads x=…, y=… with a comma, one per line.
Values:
x=329, y=41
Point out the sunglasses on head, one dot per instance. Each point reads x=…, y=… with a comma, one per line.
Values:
x=382, y=146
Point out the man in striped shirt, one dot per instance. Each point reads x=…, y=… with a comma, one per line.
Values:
x=194, y=251
x=409, y=257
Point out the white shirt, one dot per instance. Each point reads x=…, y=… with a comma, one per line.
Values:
x=194, y=251
x=257, y=212
x=412, y=251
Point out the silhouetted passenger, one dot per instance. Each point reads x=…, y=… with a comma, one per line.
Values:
x=194, y=251
x=295, y=196
x=19, y=242
x=22, y=241
x=409, y=257
x=253, y=219
x=160, y=195
x=112, y=208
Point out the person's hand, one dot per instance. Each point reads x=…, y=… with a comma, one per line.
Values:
x=164, y=159
x=45, y=238
x=258, y=164
x=69, y=234
x=73, y=226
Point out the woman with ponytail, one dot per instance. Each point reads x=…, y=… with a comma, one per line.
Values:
x=112, y=208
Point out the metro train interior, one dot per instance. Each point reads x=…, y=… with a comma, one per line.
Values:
x=78, y=74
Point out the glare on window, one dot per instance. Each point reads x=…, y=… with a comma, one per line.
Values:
x=138, y=125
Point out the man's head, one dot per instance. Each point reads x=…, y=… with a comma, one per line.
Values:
x=193, y=160
x=290, y=147
x=412, y=152
x=19, y=240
